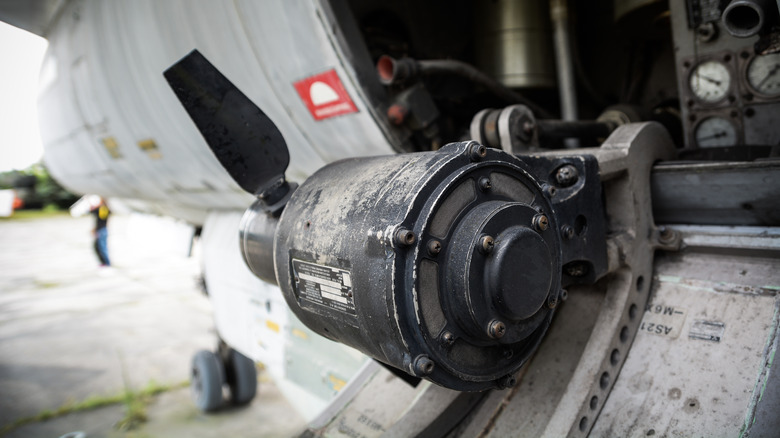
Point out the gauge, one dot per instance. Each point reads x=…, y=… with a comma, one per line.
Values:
x=763, y=74
x=710, y=81
x=714, y=132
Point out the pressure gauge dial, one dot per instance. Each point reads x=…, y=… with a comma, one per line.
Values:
x=763, y=74
x=715, y=132
x=710, y=81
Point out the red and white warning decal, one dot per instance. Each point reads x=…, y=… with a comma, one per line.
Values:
x=325, y=95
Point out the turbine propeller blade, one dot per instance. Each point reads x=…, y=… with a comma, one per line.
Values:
x=241, y=136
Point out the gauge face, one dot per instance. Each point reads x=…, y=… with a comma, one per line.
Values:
x=710, y=81
x=763, y=74
x=715, y=132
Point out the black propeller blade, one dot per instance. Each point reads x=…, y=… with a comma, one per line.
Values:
x=242, y=137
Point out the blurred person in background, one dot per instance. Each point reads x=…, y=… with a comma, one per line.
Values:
x=100, y=231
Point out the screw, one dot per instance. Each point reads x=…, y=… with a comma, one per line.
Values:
x=404, y=237
x=448, y=338
x=477, y=151
x=552, y=302
x=434, y=247
x=566, y=175
x=485, y=184
x=567, y=231
x=496, y=329
x=423, y=365
x=486, y=244
x=540, y=222
x=506, y=382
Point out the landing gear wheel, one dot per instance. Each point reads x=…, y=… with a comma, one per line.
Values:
x=241, y=377
x=206, y=378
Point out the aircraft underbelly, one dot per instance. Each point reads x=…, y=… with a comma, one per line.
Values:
x=123, y=133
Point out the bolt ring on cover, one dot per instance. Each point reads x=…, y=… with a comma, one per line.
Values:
x=508, y=284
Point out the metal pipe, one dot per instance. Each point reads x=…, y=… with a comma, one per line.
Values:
x=513, y=44
x=559, y=15
x=745, y=18
x=256, y=236
x=394, y=71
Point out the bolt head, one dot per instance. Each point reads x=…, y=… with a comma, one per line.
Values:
x=448, y=338
x=405, y=237
x=567, y=231
x=434, y=247
x=485, y=184
x=566, y=175
x=577, y=269
x=540, y=222
x=486, y=244
x=423, y=365
x=496, y=329
x=477, y=152
x=506, y=382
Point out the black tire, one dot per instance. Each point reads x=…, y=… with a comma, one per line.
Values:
x=241, y=377
x=206, y=378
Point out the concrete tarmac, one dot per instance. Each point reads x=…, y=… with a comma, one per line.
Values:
x=70, y=330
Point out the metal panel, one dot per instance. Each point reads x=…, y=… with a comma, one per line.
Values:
x=124, y=47
x=697, y=363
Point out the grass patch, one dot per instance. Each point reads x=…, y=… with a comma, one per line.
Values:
x=46, y=284
x=27, y=215
x=135, y=406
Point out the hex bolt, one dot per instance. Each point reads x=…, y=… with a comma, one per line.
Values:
x=423, y=365
x=506, y=382
x=434, y=247
x=541, y=222
x=666, y=236
x=566, y=175
x=567, y=231
x=448, y=338
x=496, y=329
x=477, y=152
x=405, y=237
x=485, y=184
x=486, y=244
